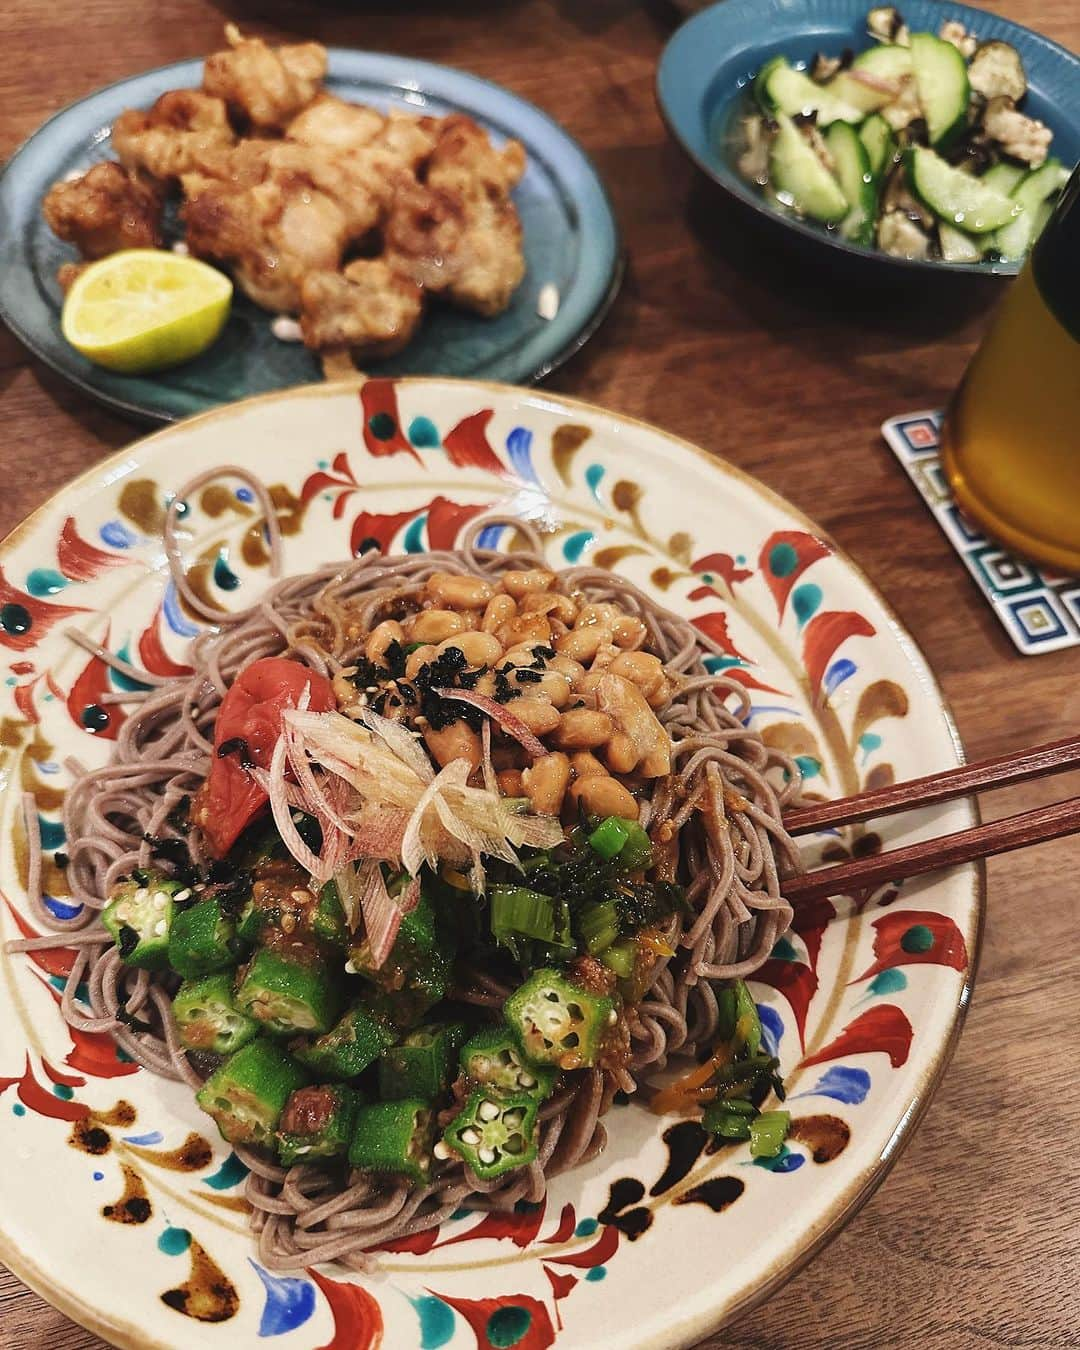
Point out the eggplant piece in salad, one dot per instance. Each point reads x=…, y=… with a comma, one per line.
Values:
x=918, y=145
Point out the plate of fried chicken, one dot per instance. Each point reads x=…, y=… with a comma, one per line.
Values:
x=375, y=213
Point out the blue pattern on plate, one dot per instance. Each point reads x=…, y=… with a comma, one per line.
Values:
x=570, y=237
x=710, y=60
x=842, y=1084
x=289, y=1302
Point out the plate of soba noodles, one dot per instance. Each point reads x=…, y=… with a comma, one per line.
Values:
x=393, y=937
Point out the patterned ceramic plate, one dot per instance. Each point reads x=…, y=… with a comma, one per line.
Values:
x=570, y=237
x=115, y=1200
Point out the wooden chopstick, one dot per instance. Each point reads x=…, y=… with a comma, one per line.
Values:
x=981, y=841
x=1040, y=762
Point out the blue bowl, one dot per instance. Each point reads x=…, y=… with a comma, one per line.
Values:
x=707, y=65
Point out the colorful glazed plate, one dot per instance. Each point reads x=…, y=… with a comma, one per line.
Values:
x=656, y=1242
x=707, y=65
x=571, y=243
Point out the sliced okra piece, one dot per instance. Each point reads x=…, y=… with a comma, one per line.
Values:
x=207, y=1017
x=202, y=940
x=494, y=1133
x=328, y=918
x=394, y=1137
x=557, y=1022
x=290, y=990
x=493, y=1059
x=317, y=1122
x=247, y=1094
x=348, y=1048
x=140, y=917
x=423, y=1064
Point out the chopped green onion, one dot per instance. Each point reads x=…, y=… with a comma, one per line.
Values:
x=719, y=1120
x=637, y=851
x=747, y=1021
x=621, y=957
x=768, y=1132
x=599, y=924
x=517, y=911
x=609, y=837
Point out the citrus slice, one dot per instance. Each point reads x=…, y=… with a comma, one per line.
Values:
x=142, y=310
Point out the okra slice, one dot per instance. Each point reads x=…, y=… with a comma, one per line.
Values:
x=404, y=1005
x=207, y=1017
x=317, y=1122
x=202, y=940
x=140, y=917
x=423, y=1064
x=493, y=1059
x=415, y=945
x=494, y=1133
x=328, y=918
x=394, y=1137
x=347, y=1050
x=557, y=1022
x=290, y=990
x=247, y=1095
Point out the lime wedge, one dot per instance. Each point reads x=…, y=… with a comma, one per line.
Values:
x=142, y=310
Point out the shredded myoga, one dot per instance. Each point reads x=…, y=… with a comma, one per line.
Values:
x=580, y=668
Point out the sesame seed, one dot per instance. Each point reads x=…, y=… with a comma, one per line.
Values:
x=183, y=895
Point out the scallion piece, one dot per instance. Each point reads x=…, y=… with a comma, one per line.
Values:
x=620, y=957
x=727, y=1124
x=609, y=837
x=599, y=924
x=637, y=851
x=517, y=911
x=768, y=1132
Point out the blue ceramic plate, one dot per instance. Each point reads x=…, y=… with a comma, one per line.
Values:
x=707, y=65
x=571, y=240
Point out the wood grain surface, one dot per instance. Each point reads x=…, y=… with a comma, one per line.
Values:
x=772, y=362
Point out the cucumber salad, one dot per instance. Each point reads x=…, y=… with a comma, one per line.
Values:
x=918, y=145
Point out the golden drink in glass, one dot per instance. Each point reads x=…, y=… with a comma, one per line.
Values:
x=1011, y=439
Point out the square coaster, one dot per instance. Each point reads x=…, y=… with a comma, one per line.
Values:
x=1038, y=609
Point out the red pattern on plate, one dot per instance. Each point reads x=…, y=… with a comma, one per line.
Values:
x=80, y=560
x=358, y=1323
x=884, y=1028
x=42, y=616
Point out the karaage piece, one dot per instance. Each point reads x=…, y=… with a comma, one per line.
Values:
x=271, y=234
x=106, y=209
x=459, y=234
x=181, y=128
x=368, y=310
x=266, y=85
x=464, y=160
x=361, y=182
x=333, y=124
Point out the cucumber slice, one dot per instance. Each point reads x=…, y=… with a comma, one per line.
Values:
x=801, y=180
x=856, y=181
x=958, y=198
x=879, y=142
x=782, y=88
x=1003, y=177
x=887, y=62
x=848, y=88
x=958, y=247
x=942, y=80
x=1014, y=239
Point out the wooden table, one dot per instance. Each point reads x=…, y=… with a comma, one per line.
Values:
x=719, y=339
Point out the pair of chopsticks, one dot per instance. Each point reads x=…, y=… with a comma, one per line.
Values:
x=981, y=841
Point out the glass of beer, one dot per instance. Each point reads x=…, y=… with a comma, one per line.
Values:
x=1011, y=439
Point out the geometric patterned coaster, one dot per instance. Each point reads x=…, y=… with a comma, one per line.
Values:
x=1039, y=609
